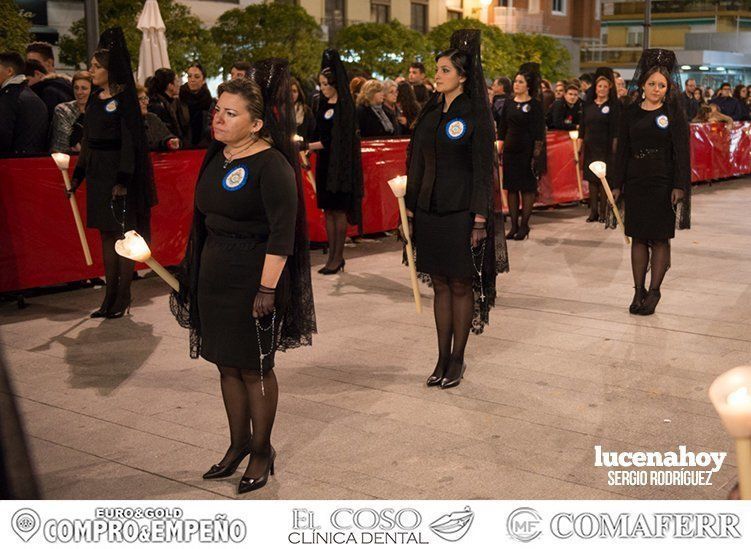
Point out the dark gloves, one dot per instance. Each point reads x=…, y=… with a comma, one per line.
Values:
x=263, y=304
x=74, y=184
x=539, y=160
x=479, y=233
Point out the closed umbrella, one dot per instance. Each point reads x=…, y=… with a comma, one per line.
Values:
x=153, y=52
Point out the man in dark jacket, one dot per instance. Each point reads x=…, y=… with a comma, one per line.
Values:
x=23, y=116
x=501, y=90
x=690, y=105
x=52, y=88
x=565, y=113
x=728, y=104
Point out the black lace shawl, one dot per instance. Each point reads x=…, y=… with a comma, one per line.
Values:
x=345, y=163
x=299, y=322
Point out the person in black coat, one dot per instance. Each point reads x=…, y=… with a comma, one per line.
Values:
x=51, y=88
x=451, y=164
x=245, y=289
x=653, y=172
x=522, y=137
x=163, y=90
x=336, y=140
x=728, y=104
x=196, y=97
x=24, y=122
x=501, y=91
x=372, y=119
x=116, y=166
x=598, y=133
x=565, y=113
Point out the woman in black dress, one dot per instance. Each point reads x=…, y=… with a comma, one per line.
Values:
x=598, y=134
x=653, y=171
x=245, y=287
x=338, y=165
x=451, y=176
x=522, y=136
x=195, y=95
x=115, y=163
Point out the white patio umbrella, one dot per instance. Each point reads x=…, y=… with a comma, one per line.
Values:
x=153, y=52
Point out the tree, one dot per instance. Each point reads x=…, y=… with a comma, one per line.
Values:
x=14, y=32
x=384, y=48
x=261, y=31
x=187, y=41
x=503, y=53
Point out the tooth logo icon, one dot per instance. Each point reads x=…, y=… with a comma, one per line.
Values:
x=25, y=523
x=454, y=526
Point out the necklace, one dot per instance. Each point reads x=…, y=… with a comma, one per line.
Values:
x=230, y=156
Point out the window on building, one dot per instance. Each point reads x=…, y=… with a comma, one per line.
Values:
x=454, y=14
x=420, y=16
x=502, y=3
x=380, y=11
x=335, y=14
x=559, y=7
x=635, y=36
x=534, y=6
x=285, y=2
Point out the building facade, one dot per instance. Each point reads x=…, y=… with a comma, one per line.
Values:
x=712, y=39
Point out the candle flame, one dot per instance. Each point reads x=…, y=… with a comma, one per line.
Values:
x=62, y=160
x=133, y=246
x=599, y=168
x=399, y=185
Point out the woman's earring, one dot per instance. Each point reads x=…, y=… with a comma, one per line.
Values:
x=643, y=95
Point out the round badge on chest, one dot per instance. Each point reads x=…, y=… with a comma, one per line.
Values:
x=456, y=128
x=111, y=106
x=328, y=115
x=662, y=121
x=525, y=107
x=605, y=109
x=236, y=178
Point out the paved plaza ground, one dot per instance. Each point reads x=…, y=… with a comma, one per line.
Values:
x=116, y=409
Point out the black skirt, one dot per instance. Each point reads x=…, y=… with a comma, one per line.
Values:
x=229, y=276
x=443, y=243
x=517, y=172
x=649, y=210
x=99, y=182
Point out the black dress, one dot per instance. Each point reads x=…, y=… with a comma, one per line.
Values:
x=108, y=158
x=249, y=210
x=327, y=200
x=446, y=188
x=652, y=160
x=599, y=130
x=522, y=124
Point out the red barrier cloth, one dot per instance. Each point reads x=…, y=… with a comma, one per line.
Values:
x=39, y=245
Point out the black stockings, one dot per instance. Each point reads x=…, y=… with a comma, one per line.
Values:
x=594, y=202
x=246, y=405
x=119, y=274
x=453, y=308
x=640, y=260
x=528, y=202
x=336, y=231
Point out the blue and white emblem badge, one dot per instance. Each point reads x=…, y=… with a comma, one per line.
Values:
x=525, y=107
x=456, y=128
x=662, y=121
x=236, y=178
x=111, y=106
x=605, y=109
x=328, y=114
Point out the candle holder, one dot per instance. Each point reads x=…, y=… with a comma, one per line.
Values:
x=134, y=247
x=63, y=163
x=574, y=135
x=600, y=169
x=399, y=188
x=730, y=394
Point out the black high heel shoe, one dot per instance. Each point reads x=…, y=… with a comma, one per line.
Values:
x=326, y=271
x=650, y=302
x=248, y=484
x=219, y=471
x=437, y=375
x=639, y=294
x=511, y=235
x=522, y=233
x=447, y=383
x=99, y=313
x=119, y=314
x=593, y=218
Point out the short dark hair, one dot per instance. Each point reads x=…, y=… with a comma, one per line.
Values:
x=32, y=66
x=13, y=60
x=689, y=80
x=161, y=80
x=571, y=86
x=417, y=65
x=42, y=48
x=724, y=84
x=505, y=83
x=241, y=66
x=586, y=77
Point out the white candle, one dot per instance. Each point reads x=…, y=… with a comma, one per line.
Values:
x=599, y=168
x=62, y=160
x=574, y=134
x=399, y=185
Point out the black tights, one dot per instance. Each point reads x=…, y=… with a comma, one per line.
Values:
x=595, y=206
x=119, y=274
x=453, y=307
x=246, y=405
x=640, y=260
x=336, y=232
x=528, y=202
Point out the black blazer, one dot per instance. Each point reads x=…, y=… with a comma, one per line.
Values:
x=370, y=125
x=445, y=160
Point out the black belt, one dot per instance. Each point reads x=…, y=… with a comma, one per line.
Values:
x=104, y=144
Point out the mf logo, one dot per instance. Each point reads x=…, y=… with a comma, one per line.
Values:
x=524, y=524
